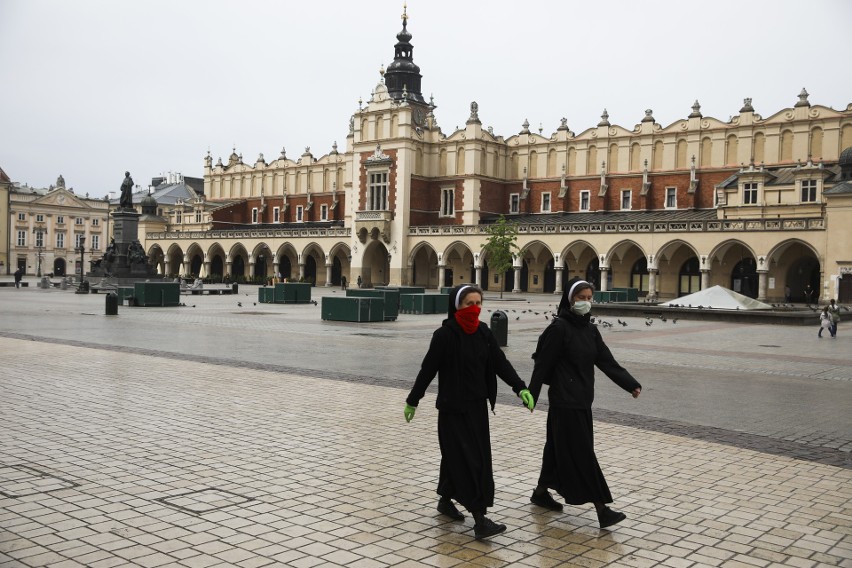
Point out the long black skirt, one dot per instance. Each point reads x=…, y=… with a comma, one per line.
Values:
x=569, y=465
x=466, y=473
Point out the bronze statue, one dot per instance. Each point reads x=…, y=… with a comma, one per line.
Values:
x=126, y=201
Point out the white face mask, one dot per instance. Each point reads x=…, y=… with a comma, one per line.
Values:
x=581, y=308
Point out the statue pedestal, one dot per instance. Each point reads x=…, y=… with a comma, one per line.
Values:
x=126, y=228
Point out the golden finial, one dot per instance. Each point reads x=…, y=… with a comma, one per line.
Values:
x=404, y=11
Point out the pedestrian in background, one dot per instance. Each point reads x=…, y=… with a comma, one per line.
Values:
x=834, y=312
x=467, y=359
x=824, y=321
x=18, y=275
x=566, y=356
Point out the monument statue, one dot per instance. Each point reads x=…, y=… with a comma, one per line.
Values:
x=126, y=201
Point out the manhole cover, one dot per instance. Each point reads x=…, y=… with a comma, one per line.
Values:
x=22, y=481
x=204, y=500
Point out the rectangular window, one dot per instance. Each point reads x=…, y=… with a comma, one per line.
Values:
x=809, y=187
x=78, y=221
x=626, y=198
x=377, y=192
x=22, y=216
x=95, y=222
x=178, y=216
x=300, y=214
x=96, y=242
x=584, y=201
x=276, y=214
x=77, y=238
x=448, y=202
x=254, y=215
x=198, y=215
x=39, y=239
x=60, y=219
x=671, y=198
x=22, y=238
x=545, y=202
x=514, y=202
x=39, y=218
x=323, y=212
x=60, y=240
x=749, y=194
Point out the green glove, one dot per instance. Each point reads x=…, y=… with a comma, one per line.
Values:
x=408, y=412
x=527, y=397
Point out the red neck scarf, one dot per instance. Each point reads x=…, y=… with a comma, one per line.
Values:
x=468, y=319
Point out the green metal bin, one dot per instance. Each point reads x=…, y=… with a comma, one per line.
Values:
x=292, y=293
x=391, y=298
x=354, y=309
x=266, y=294
x=156, y=293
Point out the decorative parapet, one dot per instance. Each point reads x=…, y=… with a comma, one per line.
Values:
x=250, y=234
x=701, y=226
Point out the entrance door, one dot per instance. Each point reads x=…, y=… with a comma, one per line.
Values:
x=59, y=266
x=844, y=293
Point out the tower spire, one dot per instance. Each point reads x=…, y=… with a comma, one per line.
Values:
x=403, y=74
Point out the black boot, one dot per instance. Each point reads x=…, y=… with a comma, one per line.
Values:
x=485, y=527
x=446, y=507
x=607, y=517
x=541, y=497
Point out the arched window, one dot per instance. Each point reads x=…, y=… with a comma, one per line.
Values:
x=572, y=161
x=551, y=163
x=787, y=146
x=689, y=280
x=658, y=155
x=759, y=148
x=706, y=152
x=635, y=156
x=592, y=160
x=639, y=275
x=816, y=143
x=731, y=147
x=460, y=161
x=533, y=171
x=681, y=154
x=612, y=160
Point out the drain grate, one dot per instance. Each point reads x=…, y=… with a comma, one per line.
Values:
x=204, y=500
x=22, y=481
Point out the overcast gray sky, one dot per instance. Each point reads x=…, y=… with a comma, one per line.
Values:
x=91, y=88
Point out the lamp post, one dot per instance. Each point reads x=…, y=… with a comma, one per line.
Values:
x=82, y=249
x=39, y=243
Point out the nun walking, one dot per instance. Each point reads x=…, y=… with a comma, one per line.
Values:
x=568, y=351
x=467, y=359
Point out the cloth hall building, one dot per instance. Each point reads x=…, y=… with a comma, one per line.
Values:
x=755, y=203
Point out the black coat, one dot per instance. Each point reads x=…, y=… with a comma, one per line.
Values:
x=567, y=354
x=445, y=359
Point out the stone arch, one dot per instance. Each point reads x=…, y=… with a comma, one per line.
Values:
x=375, y=266
x=288, y=261
x=622, y=258
x=797, y=264
x=669, y=261
x=312, y=264
x=195, y=257
x=216, y=259
x=576, y=257
x=457, y=259
x=261, y=257
x=174, y=261
x=423, y=260
x=340, y=257
x=538, y=257
x=733, y=264
x=238, y=257
x=157, y=258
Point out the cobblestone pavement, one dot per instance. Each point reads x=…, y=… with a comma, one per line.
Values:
x=167, y=437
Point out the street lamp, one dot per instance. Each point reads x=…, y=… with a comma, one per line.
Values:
x=39, y=243
x=81, y=248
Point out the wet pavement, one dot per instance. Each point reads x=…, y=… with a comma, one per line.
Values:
x=254, y=435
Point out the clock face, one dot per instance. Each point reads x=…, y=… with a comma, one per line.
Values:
x=418, y=117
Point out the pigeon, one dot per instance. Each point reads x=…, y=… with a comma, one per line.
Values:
x=193, y=305
x=545, y=317
x=314, y=302
x=536, y=313
x=649, y=323
x=623, y=323
x=240, y=304
x=674, y=320
x=662, y=318
x=255, y=303
x=517, y=318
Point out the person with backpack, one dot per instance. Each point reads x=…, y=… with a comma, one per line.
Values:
x=568, y=351
x=834, y=312
x=467, y=359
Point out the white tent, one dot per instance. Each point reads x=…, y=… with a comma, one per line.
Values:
x=717, y=298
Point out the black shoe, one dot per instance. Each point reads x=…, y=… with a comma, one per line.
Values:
x=446, y=507
x=545, y=500
x=487, y=528
x=607, y=517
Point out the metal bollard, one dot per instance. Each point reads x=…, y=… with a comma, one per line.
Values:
x=500, y=327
